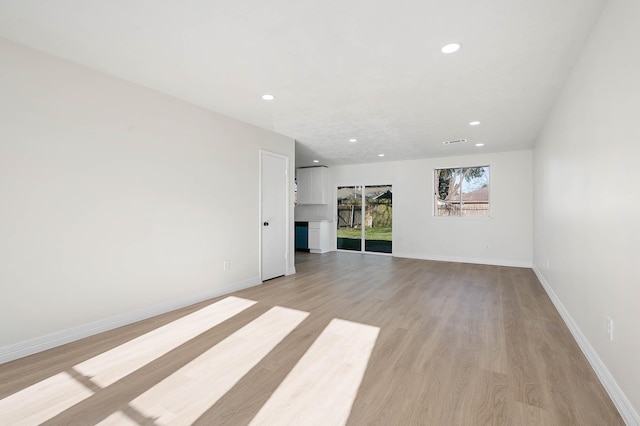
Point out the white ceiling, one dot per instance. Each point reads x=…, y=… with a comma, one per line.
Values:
x=339, y=69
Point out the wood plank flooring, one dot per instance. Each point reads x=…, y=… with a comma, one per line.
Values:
x=454, y=344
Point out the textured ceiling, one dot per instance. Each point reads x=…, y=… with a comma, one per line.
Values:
x=370, y=70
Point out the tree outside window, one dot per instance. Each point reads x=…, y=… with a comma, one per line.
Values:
x=462, y=191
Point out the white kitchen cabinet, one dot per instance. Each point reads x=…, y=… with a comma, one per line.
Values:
x=320, y=236
x=313, y=185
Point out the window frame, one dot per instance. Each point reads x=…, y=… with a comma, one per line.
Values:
x=434, y=197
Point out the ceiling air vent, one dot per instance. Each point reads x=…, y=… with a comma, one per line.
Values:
x=454, y=142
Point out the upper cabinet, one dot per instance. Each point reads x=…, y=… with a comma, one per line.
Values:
x=312, y=185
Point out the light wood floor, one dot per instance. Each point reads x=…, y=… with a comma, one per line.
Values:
x=455, y=344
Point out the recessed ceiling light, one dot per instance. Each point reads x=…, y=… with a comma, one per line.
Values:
x=380, y=155
x=479, y=144
x=474, y=123
x=454, y=142
x=316, y=161
x=450, y=48
x=268, y=97
x=353, y=140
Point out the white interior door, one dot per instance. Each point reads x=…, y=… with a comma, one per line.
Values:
x=274, y=189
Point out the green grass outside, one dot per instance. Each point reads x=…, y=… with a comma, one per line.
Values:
x=383, y=234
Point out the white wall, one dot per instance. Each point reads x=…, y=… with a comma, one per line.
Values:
x=587, y=204
x=311, y=212
x=418, y=234
x=116, y=198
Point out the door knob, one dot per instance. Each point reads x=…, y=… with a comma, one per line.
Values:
x=266, y=224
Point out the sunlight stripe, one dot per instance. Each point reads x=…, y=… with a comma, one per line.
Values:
x=117, y=419
x=323, y=385
x=114, y=364
x=40, y=402
x=186, y=394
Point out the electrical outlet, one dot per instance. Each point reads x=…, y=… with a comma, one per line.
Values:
x=610, y=328
x=486, y=245
x=226, y=265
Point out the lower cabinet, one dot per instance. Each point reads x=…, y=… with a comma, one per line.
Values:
x=319, y=237
x=302, y=236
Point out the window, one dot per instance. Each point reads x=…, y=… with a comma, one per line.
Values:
x=461, y=191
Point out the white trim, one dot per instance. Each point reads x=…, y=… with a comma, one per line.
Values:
x=375, y=253
x=58, y=338
x=465, y=218
x=625, y=408
x=386, y=182
x=291, y=270
x=475, y=260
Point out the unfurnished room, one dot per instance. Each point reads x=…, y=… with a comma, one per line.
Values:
x=319, y=213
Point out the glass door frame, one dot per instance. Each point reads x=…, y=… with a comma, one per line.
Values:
x=363, y=207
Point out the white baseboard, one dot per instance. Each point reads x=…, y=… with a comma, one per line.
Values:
x=58, y=338
x=475, y=260
x=627, y=411
x=291, y=270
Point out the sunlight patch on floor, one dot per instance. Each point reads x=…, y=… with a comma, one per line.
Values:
x=51, y=396
x=117, y=419
x=186, y=394
x=112, y=365
x=321, y=388
x=41, y=401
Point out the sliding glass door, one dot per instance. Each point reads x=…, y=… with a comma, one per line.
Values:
x=365, y=218
x=378, y=218
x=349, y=218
